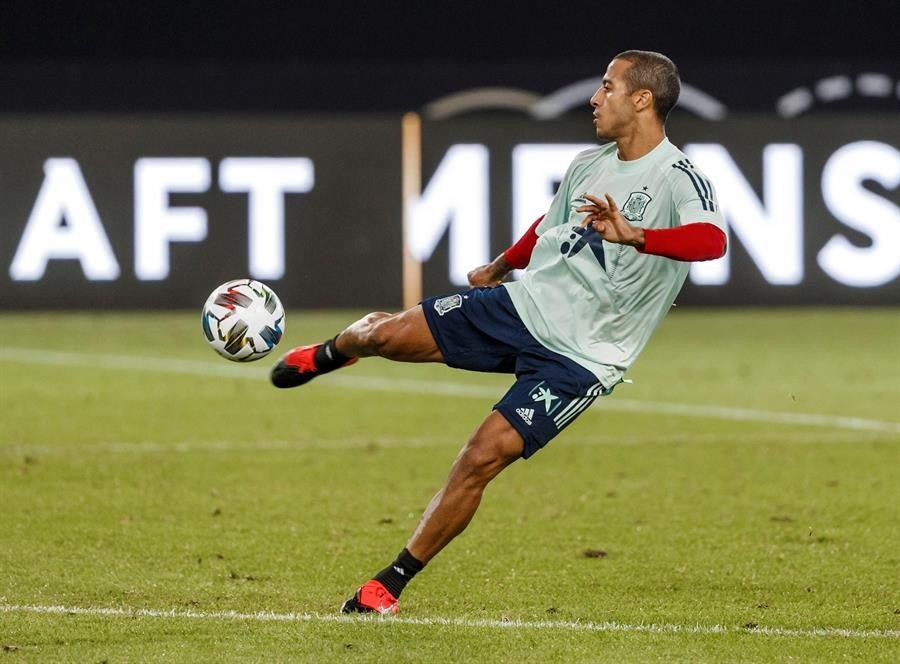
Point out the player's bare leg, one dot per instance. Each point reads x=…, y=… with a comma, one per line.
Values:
x=404, y=337
x=493, y=446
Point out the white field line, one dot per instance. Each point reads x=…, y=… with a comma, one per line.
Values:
x=412, y=442
x=369, y=383
x=482, y=623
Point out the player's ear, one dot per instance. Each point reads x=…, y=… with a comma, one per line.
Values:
x=642, y=99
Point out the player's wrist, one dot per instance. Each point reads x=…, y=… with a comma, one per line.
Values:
x=500, y=266
x=637, y=239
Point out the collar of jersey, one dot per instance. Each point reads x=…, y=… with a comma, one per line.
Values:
x=637, y=164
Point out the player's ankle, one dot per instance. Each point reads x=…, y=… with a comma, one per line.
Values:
x=328, y=357
x=395, y=576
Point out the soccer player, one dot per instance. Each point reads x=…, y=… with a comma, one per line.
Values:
x=602, y=268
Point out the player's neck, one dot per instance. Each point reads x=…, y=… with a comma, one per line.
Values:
x=639, y=142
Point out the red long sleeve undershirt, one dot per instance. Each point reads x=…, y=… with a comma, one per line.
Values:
x=519, y=254
x=699, y=241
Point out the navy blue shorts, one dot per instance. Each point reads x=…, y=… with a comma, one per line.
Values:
x=479, y=330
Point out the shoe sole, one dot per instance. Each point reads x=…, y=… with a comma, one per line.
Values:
x=284, y=375
x=352, y=605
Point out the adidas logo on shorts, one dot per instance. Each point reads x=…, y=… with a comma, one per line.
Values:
x=526, y=414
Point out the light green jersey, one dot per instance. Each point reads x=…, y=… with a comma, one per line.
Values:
x=596, y=302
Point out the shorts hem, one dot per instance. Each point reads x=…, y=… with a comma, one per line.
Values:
x=531, y=444
x=434, y=328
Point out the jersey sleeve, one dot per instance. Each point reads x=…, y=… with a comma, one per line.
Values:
x=693, y=196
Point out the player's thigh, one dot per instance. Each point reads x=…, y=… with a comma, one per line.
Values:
x=406, y=336
x=478, y=330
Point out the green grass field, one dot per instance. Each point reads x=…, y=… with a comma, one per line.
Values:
x=739, y=502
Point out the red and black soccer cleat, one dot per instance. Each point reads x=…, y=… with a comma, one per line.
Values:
x=298, y=367
x=372, y=597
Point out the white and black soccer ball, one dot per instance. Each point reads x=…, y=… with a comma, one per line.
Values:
x=243, y=320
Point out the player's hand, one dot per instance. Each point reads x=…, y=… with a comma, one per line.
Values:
x=603, y=216
x=490, y=275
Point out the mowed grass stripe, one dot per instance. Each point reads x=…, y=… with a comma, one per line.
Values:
x=415, y=442
x=369, y=383
x=470, y=623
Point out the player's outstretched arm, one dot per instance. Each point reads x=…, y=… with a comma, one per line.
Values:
x=603, y=216
x=699, y=241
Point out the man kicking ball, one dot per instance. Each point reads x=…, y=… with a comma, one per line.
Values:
x=602, y=268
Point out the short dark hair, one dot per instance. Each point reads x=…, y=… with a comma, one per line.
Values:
x=656, y=73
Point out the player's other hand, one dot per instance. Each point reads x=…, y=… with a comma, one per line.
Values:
x=603, y=216
x=490, y=275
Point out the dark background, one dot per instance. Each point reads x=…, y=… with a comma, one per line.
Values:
x=72, y=74
x=460, y=30
x=356, y=56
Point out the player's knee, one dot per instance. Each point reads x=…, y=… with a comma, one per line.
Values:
x=484, y=458
x=371, y=319
x=381, y=333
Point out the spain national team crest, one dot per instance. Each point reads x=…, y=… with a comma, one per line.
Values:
x=446, y=304
x=634, y=207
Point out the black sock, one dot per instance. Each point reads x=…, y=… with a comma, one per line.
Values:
x=395, y=576
x=328, y=357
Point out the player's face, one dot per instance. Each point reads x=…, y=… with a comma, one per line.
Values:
x=612, y=103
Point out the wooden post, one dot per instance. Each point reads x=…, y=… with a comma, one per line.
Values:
x=411, y=146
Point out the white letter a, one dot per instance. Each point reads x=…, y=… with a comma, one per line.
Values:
x=64, y=195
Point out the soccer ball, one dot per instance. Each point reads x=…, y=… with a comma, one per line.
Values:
x=242, y=320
